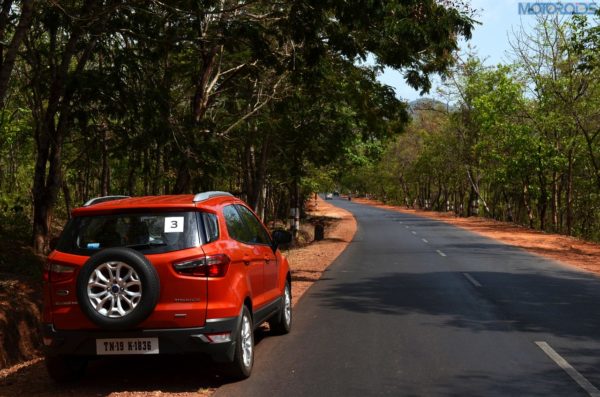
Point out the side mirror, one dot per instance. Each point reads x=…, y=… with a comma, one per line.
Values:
x=281, y=237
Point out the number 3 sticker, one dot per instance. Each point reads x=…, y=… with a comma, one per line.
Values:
x=174, y=224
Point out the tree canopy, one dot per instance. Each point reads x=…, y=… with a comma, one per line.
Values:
x=151, y=97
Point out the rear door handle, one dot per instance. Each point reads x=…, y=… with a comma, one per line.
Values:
x=246, y=260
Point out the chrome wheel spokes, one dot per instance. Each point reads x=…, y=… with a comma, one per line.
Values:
x=114, y=289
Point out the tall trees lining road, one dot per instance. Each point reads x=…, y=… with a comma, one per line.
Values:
x=518, y=142
x=148, y=97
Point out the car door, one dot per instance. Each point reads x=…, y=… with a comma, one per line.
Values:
x=262, y=246
x=245, y=255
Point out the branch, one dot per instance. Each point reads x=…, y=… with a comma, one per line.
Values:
x=256, y=108
x=476, y=189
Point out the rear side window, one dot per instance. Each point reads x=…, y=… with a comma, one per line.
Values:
x=243, y=226
x=258, y=233
x=236, y=227
x=211, y=226
x=149, y=233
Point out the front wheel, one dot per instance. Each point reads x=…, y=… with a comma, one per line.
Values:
x=243, y=360
x=282, y=323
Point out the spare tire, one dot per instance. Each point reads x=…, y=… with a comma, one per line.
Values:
x=117, y=288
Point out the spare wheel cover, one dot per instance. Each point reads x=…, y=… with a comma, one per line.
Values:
x=117, y=288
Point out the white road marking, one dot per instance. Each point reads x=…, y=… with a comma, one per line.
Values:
x=568, y=368
x=425, y=241
x=440, y=252
x=472, y=280
x=413, y=232
x=406, y=226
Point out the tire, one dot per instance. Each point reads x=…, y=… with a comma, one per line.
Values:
x=65, y=369
x=281, y=324
x=243, y=359
x=117, y=288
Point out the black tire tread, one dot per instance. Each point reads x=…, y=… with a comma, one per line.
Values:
x=237, y=370
x=277, y=324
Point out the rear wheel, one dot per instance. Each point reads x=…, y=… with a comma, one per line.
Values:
x=243, y=360
x=282, y=323
x=63, y=369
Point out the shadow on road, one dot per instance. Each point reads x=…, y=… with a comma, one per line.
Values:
x=528, y=302
x=140, y=376
x=548, y=383
x=559, y=305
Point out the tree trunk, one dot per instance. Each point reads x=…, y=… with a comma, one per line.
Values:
x=407, y=197
x=569, y=197
x=295, y=204
x=8, y=59
x=67, y=197
x=46, y=191
x=50, y=135
x=475, y=196
x=436, y=201
x=202, y=92
x=262, y=209
x=526, y=202
x=509, y=212
x=543, y=201
x=472, y=210
x=184, y=179
x=554, y=204
x=248, y=164
x=131, y=175
x=157, y=171
x=543, y=206
x=260, y=178
x=40, y=210
x=105, y=175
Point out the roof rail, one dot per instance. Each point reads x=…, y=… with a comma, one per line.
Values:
x=103, y=199
x=207, y=195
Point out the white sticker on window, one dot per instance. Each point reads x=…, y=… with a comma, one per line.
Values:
x=174, y=224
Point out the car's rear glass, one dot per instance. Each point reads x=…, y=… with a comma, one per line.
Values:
x=149, y=233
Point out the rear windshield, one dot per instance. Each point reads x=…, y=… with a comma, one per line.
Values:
x=150, y=233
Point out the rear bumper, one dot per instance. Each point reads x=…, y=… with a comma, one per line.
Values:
x=171, y=341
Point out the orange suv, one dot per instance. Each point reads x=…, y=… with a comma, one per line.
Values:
x=163, y=275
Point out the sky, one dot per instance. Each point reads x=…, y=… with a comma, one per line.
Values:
x=499, y=18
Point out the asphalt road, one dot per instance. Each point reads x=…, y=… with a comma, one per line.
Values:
x=416, y=307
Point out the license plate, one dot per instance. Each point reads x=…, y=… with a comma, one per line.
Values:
x=116, y=346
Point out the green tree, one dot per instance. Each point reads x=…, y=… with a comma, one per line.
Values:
x=153, y=97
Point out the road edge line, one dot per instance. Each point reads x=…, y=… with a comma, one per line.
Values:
x=568, y=368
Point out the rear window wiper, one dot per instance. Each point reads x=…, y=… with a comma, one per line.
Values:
x=146, y=245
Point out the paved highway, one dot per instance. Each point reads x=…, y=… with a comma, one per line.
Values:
x=416, y=307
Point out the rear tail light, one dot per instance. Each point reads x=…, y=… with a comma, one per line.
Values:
x=207, y=266
x=55, y=272
x=217, y=265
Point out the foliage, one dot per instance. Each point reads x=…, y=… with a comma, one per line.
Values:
x=149, y=97
x=518, y=142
